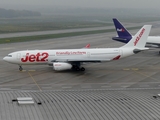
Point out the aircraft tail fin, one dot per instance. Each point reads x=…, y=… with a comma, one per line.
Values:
x=139, y=40
x=123, y=33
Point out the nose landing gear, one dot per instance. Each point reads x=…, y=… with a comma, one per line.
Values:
x=20, y=68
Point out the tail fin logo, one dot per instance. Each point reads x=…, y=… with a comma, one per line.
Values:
x=138, y=37
x=120, y=30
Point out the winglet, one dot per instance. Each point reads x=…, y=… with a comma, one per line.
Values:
x=87, y=46
x=139, y=40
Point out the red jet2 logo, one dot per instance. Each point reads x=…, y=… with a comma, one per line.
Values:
x=138, y=37
x=38, y=57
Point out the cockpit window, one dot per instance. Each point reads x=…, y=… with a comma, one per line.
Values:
x=9, y=55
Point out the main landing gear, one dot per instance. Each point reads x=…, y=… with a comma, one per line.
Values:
x=77, y=68
x=20, y=68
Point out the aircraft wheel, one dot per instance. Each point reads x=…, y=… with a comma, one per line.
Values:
x=82, y=69
x=73, y=68
x=77, y=69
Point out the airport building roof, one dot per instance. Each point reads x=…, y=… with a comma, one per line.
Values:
x=81, y=105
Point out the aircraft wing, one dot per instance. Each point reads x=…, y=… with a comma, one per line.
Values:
x=77, y=60
x=83, y=60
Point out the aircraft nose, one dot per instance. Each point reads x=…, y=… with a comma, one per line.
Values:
x=4, y=58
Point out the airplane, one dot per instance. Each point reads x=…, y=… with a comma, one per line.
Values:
x=125, y=36
x=66, y=59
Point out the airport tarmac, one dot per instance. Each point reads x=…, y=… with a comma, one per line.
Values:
x=122, y=89
x=140, y=70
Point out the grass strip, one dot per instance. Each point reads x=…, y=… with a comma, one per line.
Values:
x=52, y=36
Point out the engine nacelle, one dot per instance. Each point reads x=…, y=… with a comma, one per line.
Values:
x=59, y=66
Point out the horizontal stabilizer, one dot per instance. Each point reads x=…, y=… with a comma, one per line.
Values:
x=139, y=50
x=124, y=40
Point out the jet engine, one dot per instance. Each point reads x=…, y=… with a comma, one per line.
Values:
x=59, y=66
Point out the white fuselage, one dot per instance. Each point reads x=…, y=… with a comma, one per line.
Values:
x=153, y=40
x=49, y=56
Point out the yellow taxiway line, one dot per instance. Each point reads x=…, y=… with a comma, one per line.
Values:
x=34, y=81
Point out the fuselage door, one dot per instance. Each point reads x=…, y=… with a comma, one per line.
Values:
x=121, y=52
x=18, y=56
x=88, y=54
